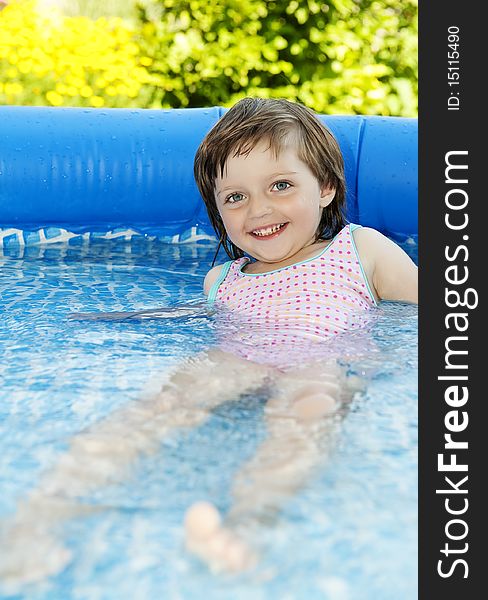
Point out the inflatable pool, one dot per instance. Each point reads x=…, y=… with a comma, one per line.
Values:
x=71, y=172
x=88, y=200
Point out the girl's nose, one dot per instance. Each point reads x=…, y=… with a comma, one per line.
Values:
x=259, y=206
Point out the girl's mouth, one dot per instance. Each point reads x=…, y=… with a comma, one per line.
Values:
x=267, y=233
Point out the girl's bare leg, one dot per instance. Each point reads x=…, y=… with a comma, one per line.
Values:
x=301, y=418
x=105, y=453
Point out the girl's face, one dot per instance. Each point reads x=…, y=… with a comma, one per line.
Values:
x=270, y=206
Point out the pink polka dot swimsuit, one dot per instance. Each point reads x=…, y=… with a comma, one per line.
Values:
x=314, y=300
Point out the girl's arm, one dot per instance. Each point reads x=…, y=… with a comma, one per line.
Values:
x=191, y=309
x=196, y=308
x=391, y=272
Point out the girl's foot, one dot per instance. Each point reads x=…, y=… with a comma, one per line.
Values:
x=215, y=544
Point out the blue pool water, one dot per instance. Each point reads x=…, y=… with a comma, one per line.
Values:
x=350, y=535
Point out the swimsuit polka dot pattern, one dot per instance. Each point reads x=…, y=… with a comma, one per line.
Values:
x=315, y=299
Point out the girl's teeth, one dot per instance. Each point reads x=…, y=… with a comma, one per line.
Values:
x=263, y=232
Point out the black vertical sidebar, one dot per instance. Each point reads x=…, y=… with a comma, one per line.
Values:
x=453, y=441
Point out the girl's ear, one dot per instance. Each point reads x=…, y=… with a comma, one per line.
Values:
x=327, y=194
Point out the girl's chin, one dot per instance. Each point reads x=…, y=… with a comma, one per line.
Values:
x=270, y=259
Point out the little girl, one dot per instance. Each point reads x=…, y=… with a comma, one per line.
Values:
x=272, y=179
x=271, y=176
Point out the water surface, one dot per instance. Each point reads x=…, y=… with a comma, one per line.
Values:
x=350, y=535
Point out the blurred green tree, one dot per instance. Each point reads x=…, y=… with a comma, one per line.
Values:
x=339, y=56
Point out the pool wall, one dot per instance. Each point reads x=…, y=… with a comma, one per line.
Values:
x=75, y=173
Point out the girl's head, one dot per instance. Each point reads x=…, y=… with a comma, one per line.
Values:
x=278, y=126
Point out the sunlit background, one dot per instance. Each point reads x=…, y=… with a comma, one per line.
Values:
x=337, y=57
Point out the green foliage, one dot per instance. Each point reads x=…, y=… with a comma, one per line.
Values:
x=343, y=56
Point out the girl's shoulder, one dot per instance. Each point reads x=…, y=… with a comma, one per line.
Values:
x=218, y=273
x=390, y=271
x=367, y=241
x=211, y=277
x=372, y=246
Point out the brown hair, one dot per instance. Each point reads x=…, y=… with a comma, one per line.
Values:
x=255, y=119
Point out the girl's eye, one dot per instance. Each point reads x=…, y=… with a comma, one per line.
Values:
x=280, y=186
x=233, y=198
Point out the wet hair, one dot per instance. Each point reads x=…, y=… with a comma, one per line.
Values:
x=252, y=120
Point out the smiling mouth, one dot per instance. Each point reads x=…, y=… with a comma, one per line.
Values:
x=268, y=232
